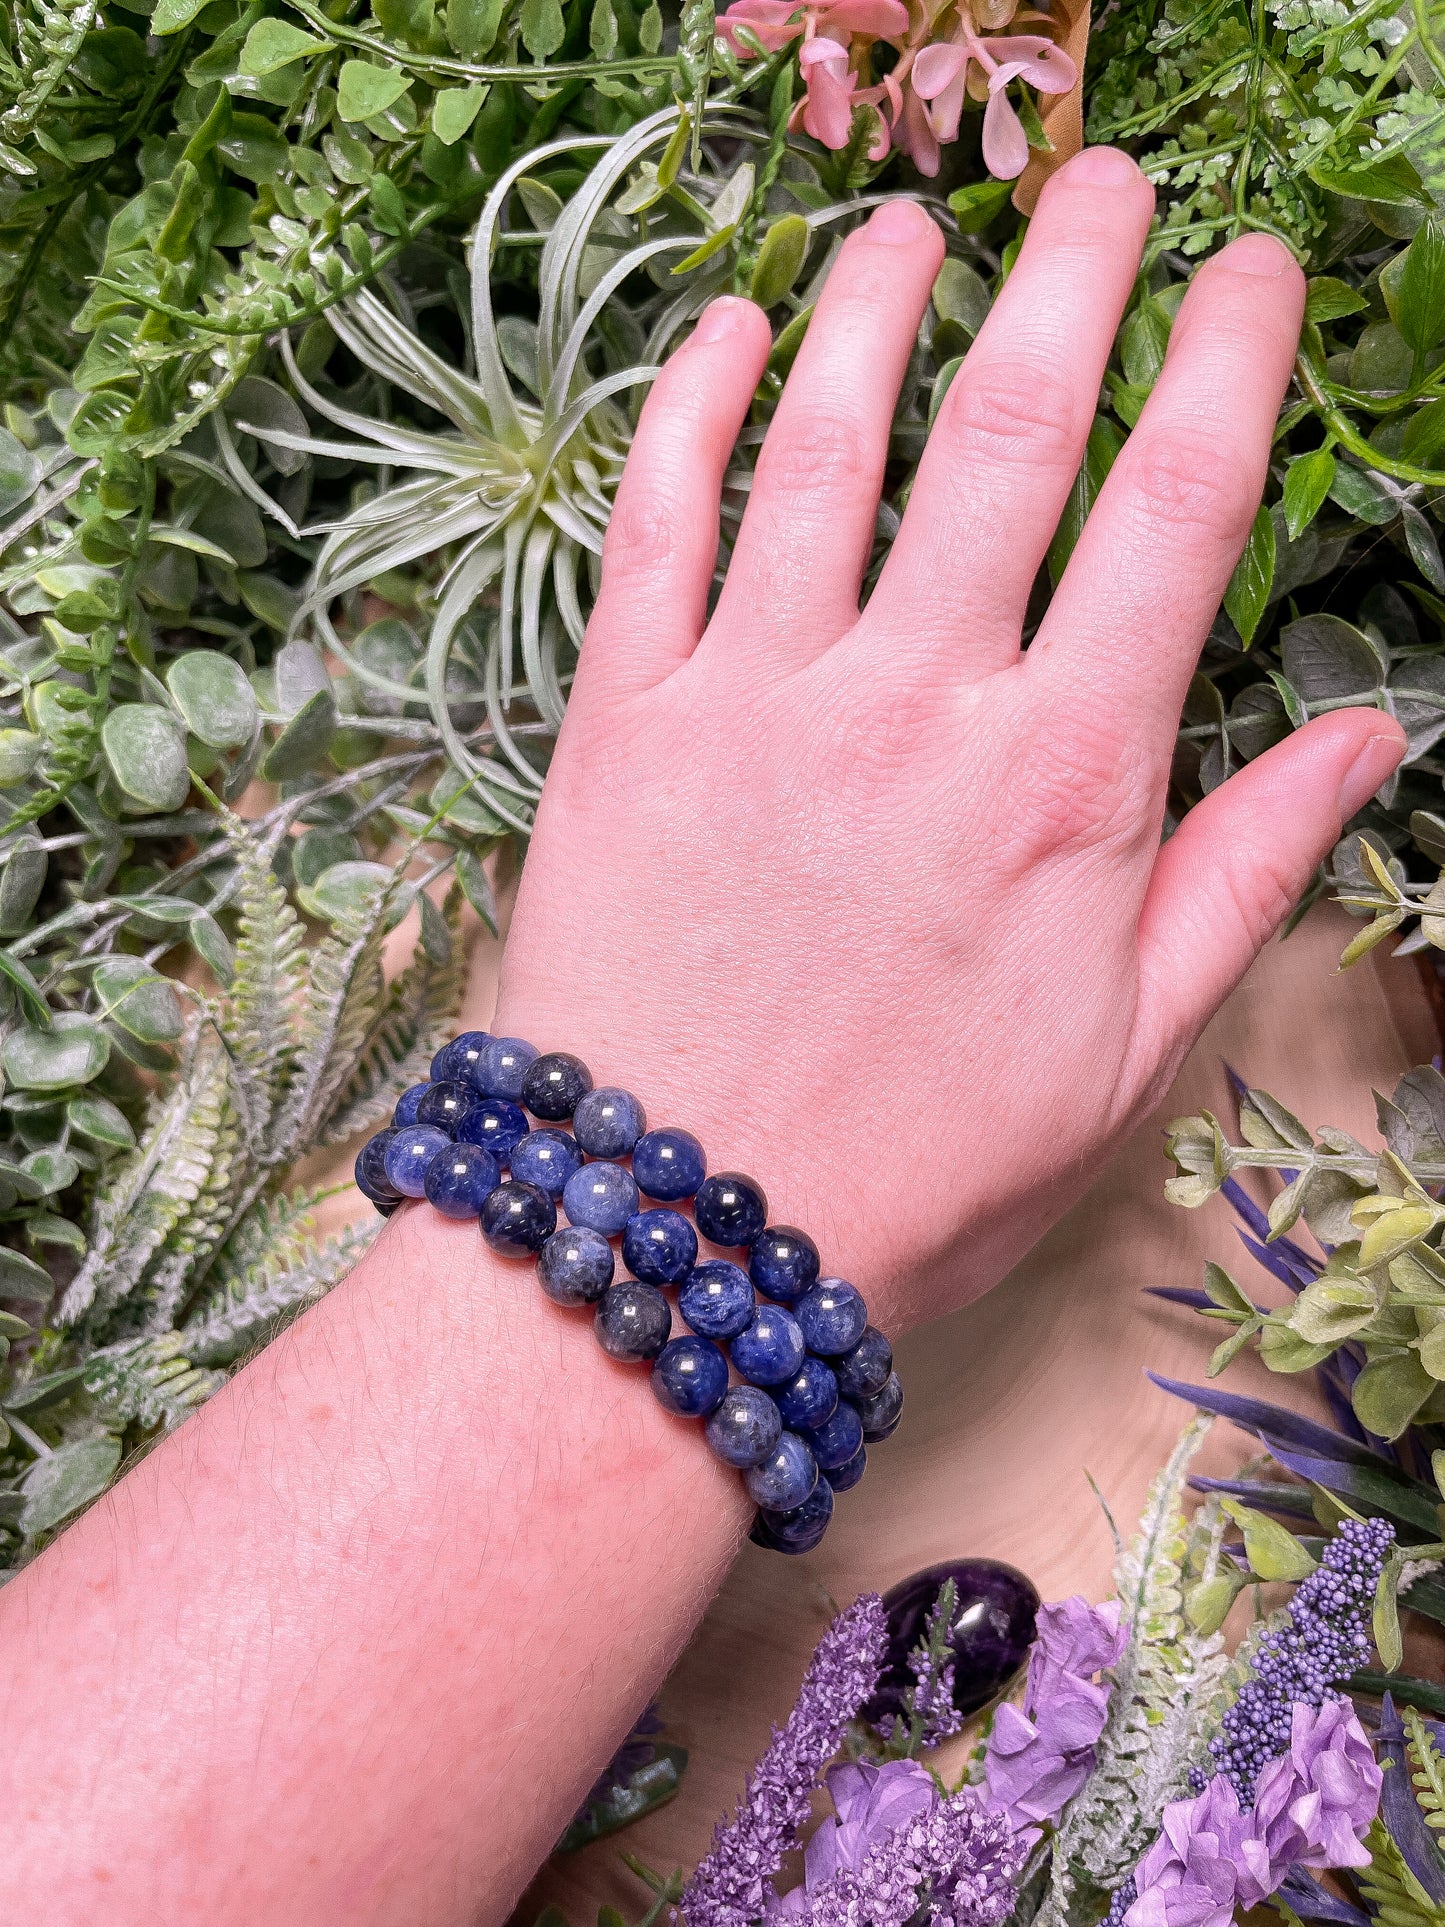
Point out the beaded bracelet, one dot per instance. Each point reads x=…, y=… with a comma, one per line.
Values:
x=818, y=1380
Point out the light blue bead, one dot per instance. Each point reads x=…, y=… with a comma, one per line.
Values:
x=785, y=1478
x=409, y=1155
x=502, y=1066
x=608, y=1122
x=601, y=1196
x=546, y=1158
x=717, y=1300
x=770, y=1351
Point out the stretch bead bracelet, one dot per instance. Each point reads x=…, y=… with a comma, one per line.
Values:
x=818, y=1385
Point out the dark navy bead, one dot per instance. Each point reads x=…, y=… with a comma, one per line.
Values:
x=833, y=1316
x=844, y=1477
x=503, y=1066
x=718, y=1300
x=730, y=1209
x=555, y=1085
x=745, y=1428
x=370, y=1169
x=406, y=1104
x=601, y=1196
x=608, y=1122
x=881, y=1413
x=782, y=1480
x=575, y=1266
x=659, y=1246
x=690, y=1377
x=518, y=1219
x=865, y=1369
x=802, y=1529
x=408, y=1155
x=839, y=1439
x=445, y=1105
x=547, y=1159
x=784, y=1263
x=459, y=1181
x=458, y=1059
x=668, y=1164
x=810, y=1399
x=770, y=1351
x=633, y=1322
x=494, y=1122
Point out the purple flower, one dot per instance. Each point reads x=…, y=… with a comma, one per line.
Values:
x=869, y=1802
x=1190, y=1876
x=1312, y=1807
x=1039, y=1757
x=733, y=1884
x=957, y=1855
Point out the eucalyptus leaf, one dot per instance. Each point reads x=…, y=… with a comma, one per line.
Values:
x=69, y=1477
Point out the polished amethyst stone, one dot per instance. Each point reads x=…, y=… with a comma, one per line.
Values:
x=992, y=1630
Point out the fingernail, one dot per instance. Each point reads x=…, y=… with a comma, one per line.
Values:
x=1101, y=167
x=1257, y=254
x=1376, y=761
x=722, y=318
x=899, y=221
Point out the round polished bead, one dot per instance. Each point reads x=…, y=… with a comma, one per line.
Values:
x=503, y=1065
x=745, y=1428
x=802, y=1529
x=771, y=1349
x=839, y=1438
x=547, y=1159
x=406, y=1104
x=833, y=1317
x=445, y=1105
x=575, y=1266
x=659, y=1246
x=844, y=1477
x=782, y=1480
x=494, y=1122
x=608, y=1122
x=518, y=1219
x=633, y=1321
x=717, y=1300
x=601, y=1196
x=668, y=1164
x=370, y=1170
x=460, y=1179
x=408, y=1155
x=865, y=1369
x=458, y=1059
x=784, y=1263
x=555, y=1085
x=810, y=1399
x=881, y=1413
x=730, y=1209
x=690, y=1377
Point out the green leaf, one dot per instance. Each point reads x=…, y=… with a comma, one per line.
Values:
x=212, y=693
x=1330, y=300
x=73, y=1051
x=477, y=889
x=1393, y=182
x=454, y=110
x=366, y=91
x=1220, y=1289
x=1307, y=482
x=1388, y=1643
x=146, y=749
x=602, y=30
x=1142, y=344
x=1333, y=1309
x=273, y=44
x=100, y=1120
x=32, y=1000
x=67, y=1478
x=780, y=260
x=1420, y=311
x=344, y=890
x=21, y=1277
x=976, y=205
x=543, y=28
x=472, y=27
x=960, y=294
x=171, y=15
x=304, y=740
x=1389, y=1392
x=1207, y=1605
x=139, y=999
x=1247, y=596
x=1272, y=1550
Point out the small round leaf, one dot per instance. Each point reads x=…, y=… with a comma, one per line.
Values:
x=146, y=750
x=139, y=999
x=212, y=693
x=73, y=1051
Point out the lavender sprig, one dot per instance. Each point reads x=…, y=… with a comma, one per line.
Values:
x=929, y=1714
x=733, y=1883
x=959, y=1859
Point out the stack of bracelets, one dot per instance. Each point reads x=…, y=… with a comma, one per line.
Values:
x=818, y=1380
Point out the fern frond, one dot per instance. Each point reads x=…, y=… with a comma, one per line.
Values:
x=1427, y=1768
x=1396, y=1897
x=44, y=40
x=256, y=1017
x=280, y=1281
x=149, y=1382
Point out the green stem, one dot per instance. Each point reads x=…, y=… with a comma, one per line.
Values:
x=473, y=70
x=1348, y=436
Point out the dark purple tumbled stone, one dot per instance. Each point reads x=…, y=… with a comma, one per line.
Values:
x=992, y=1630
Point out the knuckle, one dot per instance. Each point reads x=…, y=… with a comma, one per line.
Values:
x=1007, y=412
x=1084, y=786
x=642, y=536
x=1184, y=478
x=1264, y=890
x=817, y=453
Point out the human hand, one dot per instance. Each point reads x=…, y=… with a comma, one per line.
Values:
x=876, y=903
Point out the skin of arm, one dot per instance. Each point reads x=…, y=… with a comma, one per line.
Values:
x=877, y=906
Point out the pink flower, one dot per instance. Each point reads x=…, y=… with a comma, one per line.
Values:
x=776, y=22
x=828, y=106
x=940, y=77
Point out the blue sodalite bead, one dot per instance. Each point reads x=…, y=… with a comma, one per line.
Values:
x=546, y=1158
x=844, y=1477
x=553, y=1086
x=730, y=1209
x=459, y=1180
x=881, y=1413
x=782, y=1480
x=408, y=1155
x=575, y=1266
x=370, y=1170
x=518, y=1219
x=717, y=1300
x=833, y=1317
x=802, y=1529
x=495, y=1123
x=445, y=1105
x=457, y=1061
x=608, y=1122
x=601, y=1196
x=865, y=1369
x=770, y=1351
x=406, y=1104
x=503, y=1065
x=690, y=1377
x=810, y=1399
x=839, y=1438
x=784, y=1263
x=632, y=1321
x=659, y=1246
x=668, y=1164
x=745, y=1428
